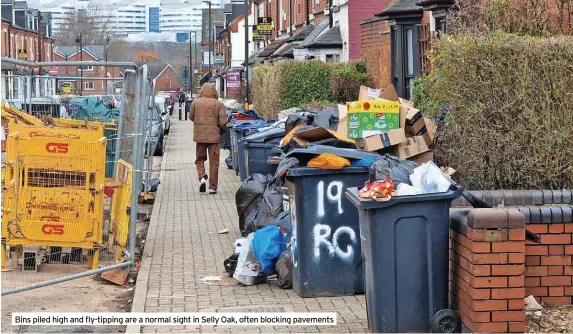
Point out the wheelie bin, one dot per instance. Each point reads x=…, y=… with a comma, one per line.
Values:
x=405, y=252
x=257, y=155
x=327, y=259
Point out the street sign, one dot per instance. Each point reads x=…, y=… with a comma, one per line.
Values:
x=54, y=71
x=67, y=89
x=206, y=54
x=35, y=69
x=265, y=26
x=257, y=37
x=233, y=80
x=22, y=54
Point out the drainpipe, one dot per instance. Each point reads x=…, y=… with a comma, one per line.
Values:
x=307, y=12
x=330, y=18
x=290, y=4
x=279, y=19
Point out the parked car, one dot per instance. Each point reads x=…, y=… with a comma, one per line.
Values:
x=165, y=114
x=154, y=134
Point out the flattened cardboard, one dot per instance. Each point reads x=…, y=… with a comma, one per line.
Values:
x=411, y=147
x=318, y=134
x=422, y=158
x=367, y=93
x=389, y=93
x=378, y=142
x=342, y=114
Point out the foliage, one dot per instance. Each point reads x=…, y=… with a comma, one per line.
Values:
x=509, y=126
x=525, y=17
x=346, y=81
x=266, y=90
x=304, y=81
x=95, y=26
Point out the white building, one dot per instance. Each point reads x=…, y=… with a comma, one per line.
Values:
x=132, y=16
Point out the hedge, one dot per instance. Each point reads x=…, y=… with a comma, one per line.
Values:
x=510, y=124
x=305, y=84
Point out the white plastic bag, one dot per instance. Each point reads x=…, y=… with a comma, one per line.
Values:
x=240, y=244
x=430, y=179
x=405, y=189
x=248, y=271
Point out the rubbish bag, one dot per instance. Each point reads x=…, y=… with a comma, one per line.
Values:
x=268, y=244
x=229, y=162
x=230, y=264
x=327, y=118
x=154, y=184
x=429, y=179
x=248, y=270
x=283, y=167
x=296, y=119
x=328, y=161
x=284, y=223
x=271, y=206
x=396, y=169
x=249, y=196
x=284, y=270
x=251, y=219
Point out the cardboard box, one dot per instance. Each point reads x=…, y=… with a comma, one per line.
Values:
x=318, y=134
x=368, y=118
x=381, y=141
x=422, y=158
x=411, y=147
x=342, y=114
x=367, y=93
x=415, y=122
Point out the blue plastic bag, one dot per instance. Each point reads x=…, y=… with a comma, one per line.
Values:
x=268, y=244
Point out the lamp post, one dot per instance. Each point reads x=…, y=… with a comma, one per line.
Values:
x=210, y=34
x=247, y=55
x=191, y=72
x=79, y=41
x=105, y=59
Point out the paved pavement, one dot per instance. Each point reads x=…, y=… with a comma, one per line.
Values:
x=183, y=247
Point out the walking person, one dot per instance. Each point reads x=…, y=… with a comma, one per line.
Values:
x=210, y=119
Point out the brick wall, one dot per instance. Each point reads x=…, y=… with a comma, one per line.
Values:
x=548, y=273
x=359, y=10
x=375, y=50
x=169, y=75
x=492, y=267
x=487, y=265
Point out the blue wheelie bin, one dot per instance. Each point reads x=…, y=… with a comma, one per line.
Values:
x=326, y=245
x=405, y=252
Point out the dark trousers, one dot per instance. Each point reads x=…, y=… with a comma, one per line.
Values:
x=213, y=152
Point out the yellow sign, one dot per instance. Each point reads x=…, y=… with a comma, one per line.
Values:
x=67, y=89
x=375, y=106
x=261, y=27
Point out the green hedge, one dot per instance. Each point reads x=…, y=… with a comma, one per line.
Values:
x=511, y=120
x=305, y=83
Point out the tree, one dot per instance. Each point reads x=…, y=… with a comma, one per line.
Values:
x=94, y=24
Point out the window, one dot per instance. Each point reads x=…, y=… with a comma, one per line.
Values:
x=405, y=57
x=89, y=85
x=169, y=84
x=333, y=58
x=86, y=67
x=67, y=84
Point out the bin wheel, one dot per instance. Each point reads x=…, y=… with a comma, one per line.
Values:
x=445, y=321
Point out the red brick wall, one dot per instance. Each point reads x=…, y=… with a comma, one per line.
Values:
x=162, y=83
x=375, y=50
x=487, y=271
x=300, y=11
x=359, y=10
x=548, y=273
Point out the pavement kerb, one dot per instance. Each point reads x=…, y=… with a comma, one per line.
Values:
x=140, y=294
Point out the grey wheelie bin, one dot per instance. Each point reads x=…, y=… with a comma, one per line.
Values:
x=257, y=156
x=327, y=259
x=405, y=252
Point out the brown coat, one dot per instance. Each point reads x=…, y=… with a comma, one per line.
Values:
x=209, y=116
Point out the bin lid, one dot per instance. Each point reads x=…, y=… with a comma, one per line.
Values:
x=262, y=145
x=305, y=154
x=266, y=135
x=367, y=204
x=308, y=171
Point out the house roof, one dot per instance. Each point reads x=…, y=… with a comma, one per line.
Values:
x=401, y=7
x=271, y=48
x=331, y=37
x=286, y=50
x=67, y=51
x=156, y=69
x=302, y=34
x=314, y=34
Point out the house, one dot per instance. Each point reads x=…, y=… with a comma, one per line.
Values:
x=26, y=35
x=87, y=80
x=165, y=78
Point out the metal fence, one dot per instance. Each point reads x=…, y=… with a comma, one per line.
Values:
x=61, y=218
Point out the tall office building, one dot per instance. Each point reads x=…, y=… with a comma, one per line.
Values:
x=132, y=16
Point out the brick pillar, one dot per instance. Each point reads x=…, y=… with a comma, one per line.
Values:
x=487, y=264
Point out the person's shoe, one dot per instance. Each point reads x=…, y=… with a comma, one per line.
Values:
x=212, y=191
x=203, y=184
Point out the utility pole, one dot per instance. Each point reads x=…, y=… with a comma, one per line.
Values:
x=189, y=84
x=80, y=42
x=247, y=55
x=105, y=59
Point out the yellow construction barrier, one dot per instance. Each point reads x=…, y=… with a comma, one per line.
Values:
x=121, y=200
x=53, y=194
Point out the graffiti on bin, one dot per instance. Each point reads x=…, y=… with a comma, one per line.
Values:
x=341, y=242
x=293, y=237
